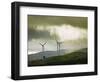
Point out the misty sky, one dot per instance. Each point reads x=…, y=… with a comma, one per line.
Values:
x=71, y=31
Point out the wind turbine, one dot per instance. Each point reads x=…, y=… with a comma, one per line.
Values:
x=58, y=43
x=43, y=44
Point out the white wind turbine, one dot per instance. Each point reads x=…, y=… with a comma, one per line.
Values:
x=58, y=44
x=43, y=44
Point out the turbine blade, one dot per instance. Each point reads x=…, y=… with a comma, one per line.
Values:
x=40, y=43
x=44, y=43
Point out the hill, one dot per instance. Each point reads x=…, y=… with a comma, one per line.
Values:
x=77, y=57
x=47, y=54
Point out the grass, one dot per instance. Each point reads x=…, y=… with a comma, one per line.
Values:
x=77, y=57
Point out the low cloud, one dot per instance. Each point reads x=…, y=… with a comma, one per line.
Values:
x=60, y=32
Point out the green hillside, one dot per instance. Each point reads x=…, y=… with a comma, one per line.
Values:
x=77, y=57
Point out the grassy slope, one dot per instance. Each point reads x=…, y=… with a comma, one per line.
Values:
x=77, y=57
